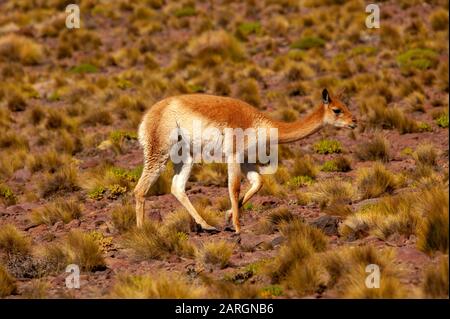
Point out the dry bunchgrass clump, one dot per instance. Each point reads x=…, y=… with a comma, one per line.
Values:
x=37, y=289
x=374, y=150
x=210, y=174
x=375, y=181
x=248, y=91
x=14, y=48
x=302, y=241
x=228, y=289
x=12, y=241
x=271, y=187
x=58, y=210
x=49, y=161
x=439, y=20
x=380, y=116
x=344, y=270
x=163, y=285
x=332, y=192
x=304, y=166
x=65, y=179
x=435, y=284
x=216, y=253
x=212, y=47
x=123, y=217
x=11, y=140
x=84, y=250
x=425, y=154
x=54, y=257
x=154, y=241
x=270, y=223
x=433, y=233
x=391, y=215
x=7, y=283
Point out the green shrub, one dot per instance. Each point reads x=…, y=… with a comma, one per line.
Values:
x=84, y=68
x=307, y=43
x=7, y=196
x=421, y=59
x=187, y=11
x=247, y=28
x=442, y=120
x=327, y=147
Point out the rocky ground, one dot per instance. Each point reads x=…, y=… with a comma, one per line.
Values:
x=82, y=96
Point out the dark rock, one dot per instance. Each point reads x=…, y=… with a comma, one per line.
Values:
x=328, y=224
x=21, y=176
x=89, y=163
x=277, y=241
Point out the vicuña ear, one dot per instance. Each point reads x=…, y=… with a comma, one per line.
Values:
x=325, y=97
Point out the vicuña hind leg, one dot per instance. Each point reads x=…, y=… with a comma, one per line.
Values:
x=234, y=185
x=149, y=176
x=182, y=172
x=255, y=179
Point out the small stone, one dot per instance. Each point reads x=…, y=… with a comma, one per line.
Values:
x=328, y=224
x=21, y=176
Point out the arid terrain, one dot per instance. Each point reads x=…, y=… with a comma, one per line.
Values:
x=71, y=101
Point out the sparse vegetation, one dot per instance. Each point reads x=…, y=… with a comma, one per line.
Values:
x=84, y=250
x=327, y=147
x=375, y=181
x=161, y=286
x=59, y=210
x=374, y=150
x=216, y=253
x=71, y=102
x=436, y=280
x=7, y=283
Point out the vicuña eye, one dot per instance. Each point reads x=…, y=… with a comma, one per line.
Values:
x=336, y=111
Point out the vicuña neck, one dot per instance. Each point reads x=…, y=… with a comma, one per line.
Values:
x=291, y=132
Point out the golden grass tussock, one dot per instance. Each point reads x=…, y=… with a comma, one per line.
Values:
x=12, y=241
x=301, y=241
x=14, y=48
x=426, y=154
x=123, y=217
x=304, y=166
x=210, y=174
x=216, y=253
x=154, y=241
x=424, y=214
x=270, y=222
x=213, y=46
x=375, y=181
x=433, y=233
x=7, y=283
x=84, y=250
x=346, y=271
x=435, y=283
x=160, y=286
x=65, y=179
x=377, y=149
x=331, y=192
x=58, y=210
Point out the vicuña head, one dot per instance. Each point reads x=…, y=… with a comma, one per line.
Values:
x=177, y=114
x=336, y=113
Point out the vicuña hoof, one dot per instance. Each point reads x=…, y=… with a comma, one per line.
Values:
x=209, y=229
x=229, y=228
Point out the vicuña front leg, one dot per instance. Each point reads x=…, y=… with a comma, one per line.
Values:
x=182, y=172
x=234, y=185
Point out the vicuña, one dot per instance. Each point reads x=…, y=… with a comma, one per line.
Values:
x=179, y=112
